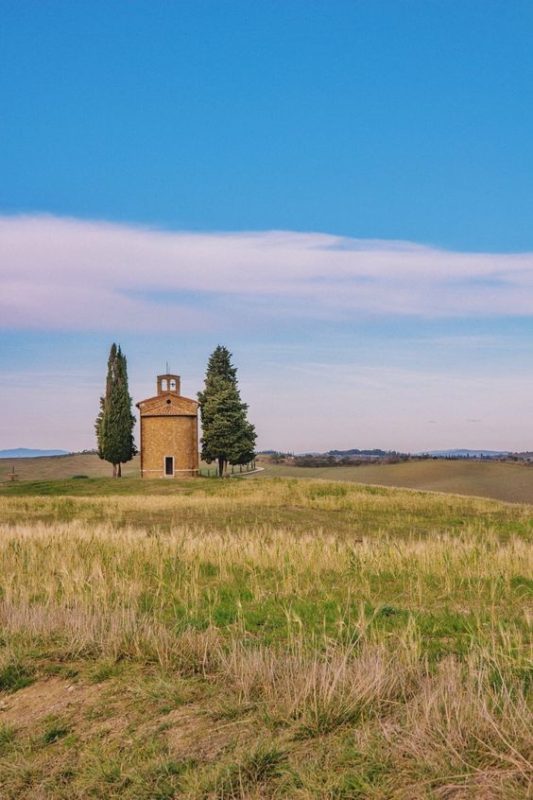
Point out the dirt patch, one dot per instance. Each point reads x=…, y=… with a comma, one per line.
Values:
x=53, y=696
x=192, y=733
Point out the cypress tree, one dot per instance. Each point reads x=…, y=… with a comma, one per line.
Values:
x=114, y=424
x=227, y=437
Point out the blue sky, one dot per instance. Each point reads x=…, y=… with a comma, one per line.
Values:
x=389, y=142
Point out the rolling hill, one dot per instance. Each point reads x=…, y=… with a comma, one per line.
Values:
x=493, y=479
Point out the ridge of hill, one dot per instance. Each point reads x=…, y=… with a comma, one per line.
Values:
x=29, y=452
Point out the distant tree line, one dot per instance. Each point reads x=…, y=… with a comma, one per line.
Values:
x=355, y=452
x=327, y=460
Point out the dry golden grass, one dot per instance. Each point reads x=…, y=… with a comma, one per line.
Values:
x=267, y=639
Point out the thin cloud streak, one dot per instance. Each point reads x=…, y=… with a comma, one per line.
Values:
x=70, y=274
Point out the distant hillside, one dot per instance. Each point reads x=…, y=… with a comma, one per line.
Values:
x=512, y=482
x=501, y=480
x=60, y=467
x=25, y=452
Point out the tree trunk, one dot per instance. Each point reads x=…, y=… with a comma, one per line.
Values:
x=221, y=467
x=119, y=470
x=114, y=470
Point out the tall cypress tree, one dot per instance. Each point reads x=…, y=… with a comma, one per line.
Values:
x=227, y=437
x=114, y=424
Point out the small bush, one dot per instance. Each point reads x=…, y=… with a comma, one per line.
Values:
x=55, y=731
x=7, y=736
x=14, y=676
x=237, y=780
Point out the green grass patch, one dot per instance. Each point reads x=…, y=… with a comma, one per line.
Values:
x=14, y=676
x=55, y=729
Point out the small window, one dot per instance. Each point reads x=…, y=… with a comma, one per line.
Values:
x=169, y=402
x=169, y=466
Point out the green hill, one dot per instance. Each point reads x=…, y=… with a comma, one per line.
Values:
x=493, y=479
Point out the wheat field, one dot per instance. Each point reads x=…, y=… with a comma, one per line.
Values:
x=265, y=639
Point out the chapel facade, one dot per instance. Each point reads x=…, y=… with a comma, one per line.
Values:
x=169, y=432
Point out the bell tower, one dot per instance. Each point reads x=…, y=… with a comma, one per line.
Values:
x=168, y=383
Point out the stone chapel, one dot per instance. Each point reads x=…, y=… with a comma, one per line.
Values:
x=169, y=432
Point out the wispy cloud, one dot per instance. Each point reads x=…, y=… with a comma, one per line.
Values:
x=69, y=274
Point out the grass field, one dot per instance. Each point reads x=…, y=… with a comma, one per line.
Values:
x=262, y=639
x=501, y=481
x=58, y=467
